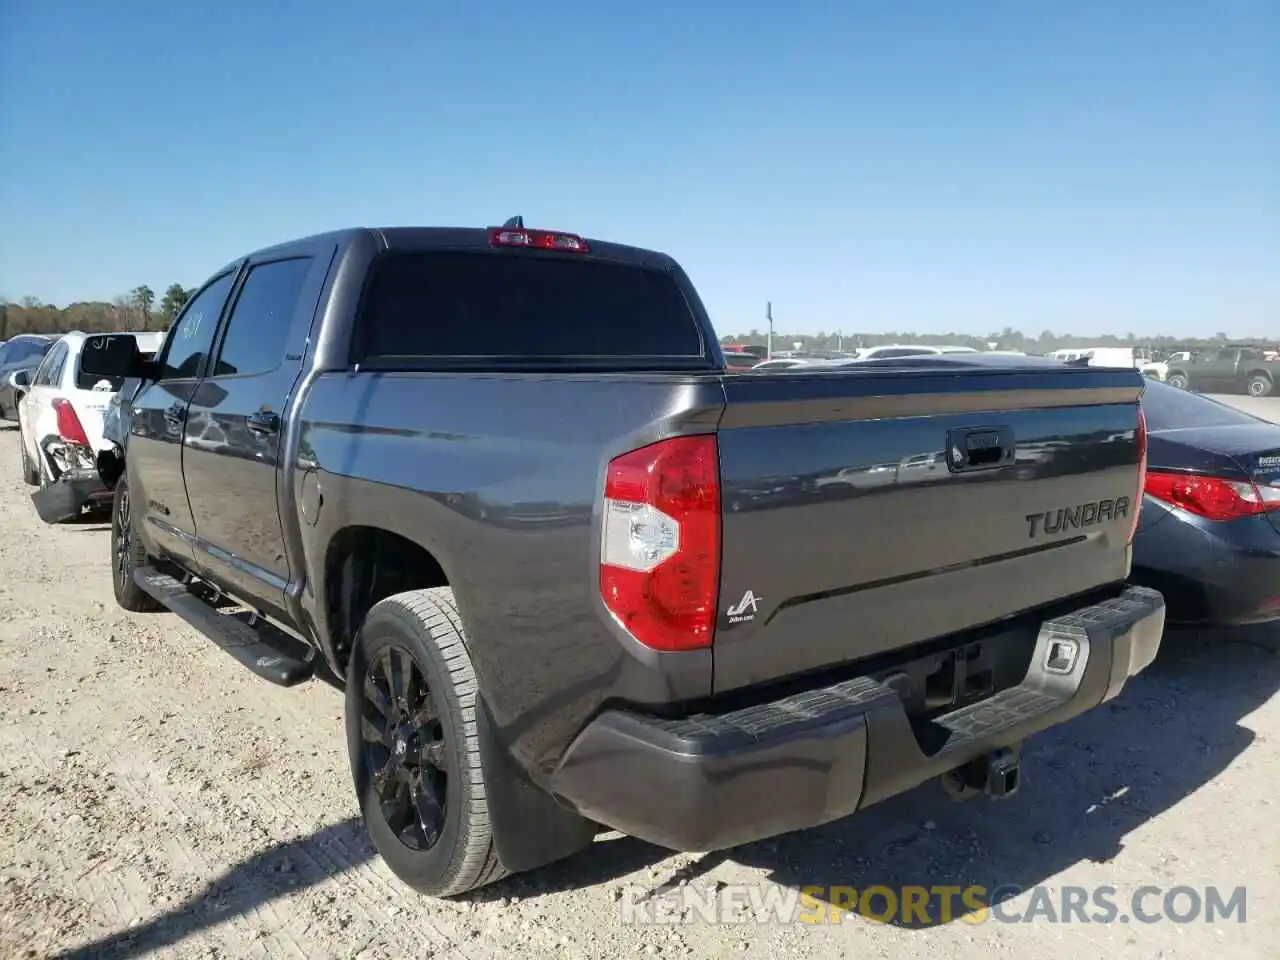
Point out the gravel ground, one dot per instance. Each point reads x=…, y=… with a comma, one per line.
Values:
x=156, y=800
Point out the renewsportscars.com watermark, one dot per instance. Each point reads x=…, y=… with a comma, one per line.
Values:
x=919, y=906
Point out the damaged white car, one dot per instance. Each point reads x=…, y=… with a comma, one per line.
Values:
x=60, y=419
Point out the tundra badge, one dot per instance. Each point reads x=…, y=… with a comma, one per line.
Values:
x=1081, y=515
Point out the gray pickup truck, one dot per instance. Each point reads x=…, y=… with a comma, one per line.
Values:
x=574, y=575
x=1229, y=370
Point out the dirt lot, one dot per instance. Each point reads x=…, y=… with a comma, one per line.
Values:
x=155, y=799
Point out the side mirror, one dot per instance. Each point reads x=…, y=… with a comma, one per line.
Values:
x=112, y=355
x=20, y=379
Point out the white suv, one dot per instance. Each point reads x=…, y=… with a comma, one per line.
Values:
x=60, y=424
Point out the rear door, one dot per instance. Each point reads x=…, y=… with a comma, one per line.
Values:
x=1215, y=372
x=158, y=416
x=236, y=421
x=36, y=416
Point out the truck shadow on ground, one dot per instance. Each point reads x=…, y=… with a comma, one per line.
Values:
x=1088, y=784
x=279, y=871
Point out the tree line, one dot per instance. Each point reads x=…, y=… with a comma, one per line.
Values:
x=138, y=310
x=1006, y=339
x=135, y=310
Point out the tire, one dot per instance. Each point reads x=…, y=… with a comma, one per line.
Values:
x=127, y=555
x=1178, y=381
x=1259, y=386
x=420, y=631
x=30, y=472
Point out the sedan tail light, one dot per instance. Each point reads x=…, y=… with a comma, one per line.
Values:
x=1212, y=497
x=69, y=426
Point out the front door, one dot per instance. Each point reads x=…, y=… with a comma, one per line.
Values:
x=235, y=425
x=158, y=495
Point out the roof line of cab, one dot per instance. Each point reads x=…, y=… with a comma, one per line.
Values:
x=445, y=238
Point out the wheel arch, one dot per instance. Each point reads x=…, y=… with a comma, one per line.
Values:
x=364, y=564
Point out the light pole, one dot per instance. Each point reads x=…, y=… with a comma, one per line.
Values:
x=768, y=312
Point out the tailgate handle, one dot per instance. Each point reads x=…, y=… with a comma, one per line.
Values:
x=980, y=448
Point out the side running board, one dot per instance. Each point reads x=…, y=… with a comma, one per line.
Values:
x=265, y=649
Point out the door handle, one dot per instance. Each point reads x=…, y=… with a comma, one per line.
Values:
x=264, y=422
x=175, y=415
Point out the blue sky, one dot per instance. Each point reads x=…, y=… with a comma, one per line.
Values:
x=1084, y=166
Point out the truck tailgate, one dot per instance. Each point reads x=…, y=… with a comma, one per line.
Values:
x=869, y=511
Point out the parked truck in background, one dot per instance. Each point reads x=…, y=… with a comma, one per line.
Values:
x=480, y=477
x=1229, y=370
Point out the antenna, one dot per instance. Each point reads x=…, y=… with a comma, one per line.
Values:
x=515, y=223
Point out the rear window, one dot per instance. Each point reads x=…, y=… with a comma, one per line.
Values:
x=26, y=349
x=1168, y=408
x=458, y=305
x=118, y=350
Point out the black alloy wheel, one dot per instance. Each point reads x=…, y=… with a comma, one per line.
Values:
x=121, y=540
x=405, y=754
x=414, y=739
x=127, y=555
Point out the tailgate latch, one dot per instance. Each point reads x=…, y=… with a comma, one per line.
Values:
x=980, y=448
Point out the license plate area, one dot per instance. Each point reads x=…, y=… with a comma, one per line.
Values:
x=958, y=676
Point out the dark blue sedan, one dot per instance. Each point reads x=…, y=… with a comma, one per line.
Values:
x=1209, y=533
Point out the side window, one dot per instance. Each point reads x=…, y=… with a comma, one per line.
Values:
x=261, y=318
x=41, y=377
x=50, y=369
x=190, y=340
x=59, y=364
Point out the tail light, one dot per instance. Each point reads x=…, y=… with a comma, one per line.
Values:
x=537, y=239
x=660, y=542
x=69, y=426
x=1141, y=438
x=1212, y=497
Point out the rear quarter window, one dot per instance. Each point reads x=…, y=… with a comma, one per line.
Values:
x=459, y=306
x=1168, y=408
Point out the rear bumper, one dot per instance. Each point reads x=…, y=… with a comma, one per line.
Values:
x=1214, y=574
x=1248, y=593
x=64, y=499
x=715, y=781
